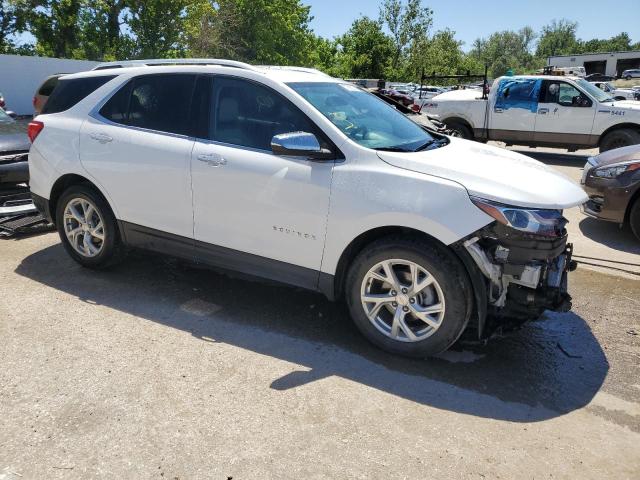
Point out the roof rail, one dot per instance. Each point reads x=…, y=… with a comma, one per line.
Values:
x=314, y=71
x=173, y=61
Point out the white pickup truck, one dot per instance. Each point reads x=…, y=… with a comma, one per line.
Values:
x=540, y=110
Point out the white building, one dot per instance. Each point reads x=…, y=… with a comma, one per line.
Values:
x=20, y=76
x=609, y=63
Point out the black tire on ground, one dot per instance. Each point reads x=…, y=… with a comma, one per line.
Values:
x=634, y=218
x=113, y=250
x=628, y=77
x=439, y=262
x=460, y=129
x=621, y=137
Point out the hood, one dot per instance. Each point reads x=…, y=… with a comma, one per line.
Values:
x=494, y=174
x=624, y=154
x=14, y=142
x=626, y=104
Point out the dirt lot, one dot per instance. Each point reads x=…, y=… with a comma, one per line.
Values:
x=158, y=369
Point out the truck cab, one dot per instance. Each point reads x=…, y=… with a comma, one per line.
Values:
x=542, y=110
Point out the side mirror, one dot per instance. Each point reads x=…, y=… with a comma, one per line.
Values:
x=298, y=144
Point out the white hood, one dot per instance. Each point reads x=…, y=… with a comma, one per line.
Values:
x=494, y=173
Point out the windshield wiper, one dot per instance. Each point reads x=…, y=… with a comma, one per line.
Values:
x=392, y=149
x=439, y=142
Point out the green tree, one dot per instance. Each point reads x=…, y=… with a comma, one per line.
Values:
x=100, y=24
x=259, y=31
x=157, y=27
x=409, y=23
x=618, y=43
x=365, y=50
x=558, y=38
x=506, y=50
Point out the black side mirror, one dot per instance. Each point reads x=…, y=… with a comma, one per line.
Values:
x=300, y=144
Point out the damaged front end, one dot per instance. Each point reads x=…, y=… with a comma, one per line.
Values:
x=523, y=259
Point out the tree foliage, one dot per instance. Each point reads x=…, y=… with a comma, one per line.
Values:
x=506, y=50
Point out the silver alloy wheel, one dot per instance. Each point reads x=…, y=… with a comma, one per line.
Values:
x=84, y=227
x=402, y=300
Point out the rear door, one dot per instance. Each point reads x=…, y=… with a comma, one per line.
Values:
x=138, y=146
x=513, y=114
x=565, y=114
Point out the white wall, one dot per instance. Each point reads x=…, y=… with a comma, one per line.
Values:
x=21, y=76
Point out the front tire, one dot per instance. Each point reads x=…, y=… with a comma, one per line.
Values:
x=88, y=228
x=460, y=130
x=622, y=137
x=408, y=296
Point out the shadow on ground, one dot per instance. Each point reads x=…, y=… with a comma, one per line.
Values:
x=542, y=371
x=610, y=234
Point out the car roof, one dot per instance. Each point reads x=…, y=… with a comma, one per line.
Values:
x=278, y=73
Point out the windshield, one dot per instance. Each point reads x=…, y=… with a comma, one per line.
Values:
x=363, y=117
x=594, y=91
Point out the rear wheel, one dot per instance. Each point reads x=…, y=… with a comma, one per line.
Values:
x=87, y=227
x=634, y=218
x=408, y=297
x=460, y=130
x=622, y=137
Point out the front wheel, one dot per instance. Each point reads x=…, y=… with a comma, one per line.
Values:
x=622, y=137
x=459, y=130
x=408, y=296
x=634, y=218
x=88, y=228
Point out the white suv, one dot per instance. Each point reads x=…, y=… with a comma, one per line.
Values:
x=298, y=177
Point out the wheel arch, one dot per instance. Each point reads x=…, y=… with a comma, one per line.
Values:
x=618, y=126
x=460, y=120
x=66, y=181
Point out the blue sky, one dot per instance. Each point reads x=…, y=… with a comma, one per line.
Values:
x=479, y=18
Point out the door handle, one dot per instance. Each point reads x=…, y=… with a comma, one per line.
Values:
x=498, y=110
x=543, y=111
x=211, y=160
x=101, y=137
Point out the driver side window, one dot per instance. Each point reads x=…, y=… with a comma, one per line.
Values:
x=565, y=94
x=249, y=115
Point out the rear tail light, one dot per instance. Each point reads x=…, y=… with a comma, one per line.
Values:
x=2, y=104
x=33, y=129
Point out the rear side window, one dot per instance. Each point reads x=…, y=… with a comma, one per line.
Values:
x=48, y=86
x=69, y=92
x=154, y=102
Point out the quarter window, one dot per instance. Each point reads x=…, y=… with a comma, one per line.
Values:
x=67, y=93
x=249, y=115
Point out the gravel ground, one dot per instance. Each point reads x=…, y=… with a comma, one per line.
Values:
x=159, y=369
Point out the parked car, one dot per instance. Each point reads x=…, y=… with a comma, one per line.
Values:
x=599, y=77
x=616, y=93
x=631, y=73
x=403, y=98
x=307, y=180
x=14, y=152
x=612, y=181
x=44, y=91
x=541, y=110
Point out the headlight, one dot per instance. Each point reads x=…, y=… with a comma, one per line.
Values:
x=613, y=171
x=549, y=223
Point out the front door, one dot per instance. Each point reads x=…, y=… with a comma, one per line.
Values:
x=514, y=111
x=255, y=211
x=565, y=115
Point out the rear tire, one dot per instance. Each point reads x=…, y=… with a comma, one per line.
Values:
x=460, y=130
x=88, y=228
x=622, y=137
x=634, y=218
x=425, y=306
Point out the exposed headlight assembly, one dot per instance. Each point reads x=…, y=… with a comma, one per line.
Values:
x=548, y=223
x=613, y=171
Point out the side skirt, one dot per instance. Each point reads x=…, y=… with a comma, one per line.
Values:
x=145, y=238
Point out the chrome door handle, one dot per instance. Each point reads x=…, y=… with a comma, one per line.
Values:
x=498, y=110
x=101, y=137
x=211, y=160
x=543, y=111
